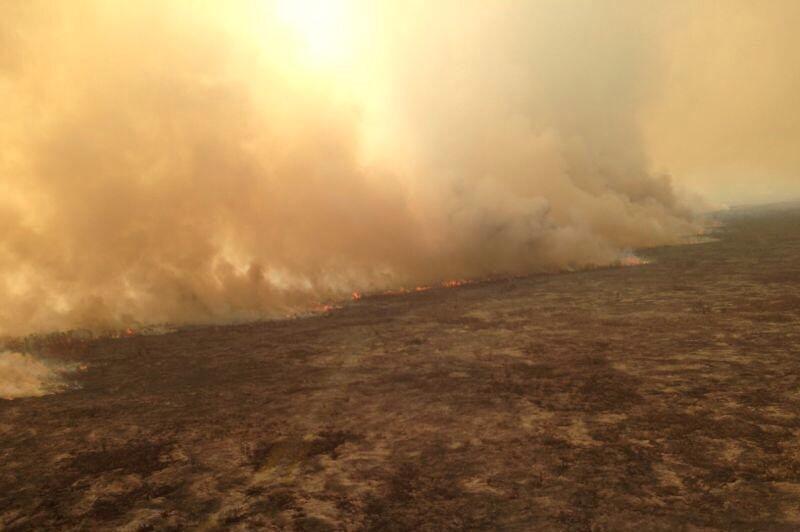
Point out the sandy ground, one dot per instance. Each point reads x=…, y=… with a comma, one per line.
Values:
x=660, y=397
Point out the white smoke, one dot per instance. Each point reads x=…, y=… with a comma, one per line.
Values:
x=23, y=375
x=190, y=161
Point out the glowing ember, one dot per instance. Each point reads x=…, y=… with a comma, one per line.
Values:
x=123, y=334
x=632, y=260
x=396, y=292
x=418, y=289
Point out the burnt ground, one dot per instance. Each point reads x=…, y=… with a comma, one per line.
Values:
x=661, y=397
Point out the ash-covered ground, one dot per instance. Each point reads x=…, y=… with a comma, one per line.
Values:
x=660, y=397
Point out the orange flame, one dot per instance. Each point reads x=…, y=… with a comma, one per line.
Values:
x=632, y=260
x=453, y=283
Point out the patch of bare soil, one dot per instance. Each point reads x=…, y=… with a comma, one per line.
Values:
x=660, y=397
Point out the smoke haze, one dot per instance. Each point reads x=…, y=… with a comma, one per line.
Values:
x=725, y=116
x=22, y=375
x=200, y=161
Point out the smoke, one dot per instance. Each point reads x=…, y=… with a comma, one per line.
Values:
x=23, y=375
x=204, y=161
x=725, y=115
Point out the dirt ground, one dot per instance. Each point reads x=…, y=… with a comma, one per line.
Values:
x=659, y=397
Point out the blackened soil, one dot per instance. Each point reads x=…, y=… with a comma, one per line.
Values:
x=660, y=397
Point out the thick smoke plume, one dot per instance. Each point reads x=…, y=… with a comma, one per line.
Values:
x=201, y=161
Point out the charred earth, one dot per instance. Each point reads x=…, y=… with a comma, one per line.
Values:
x=659, y=397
